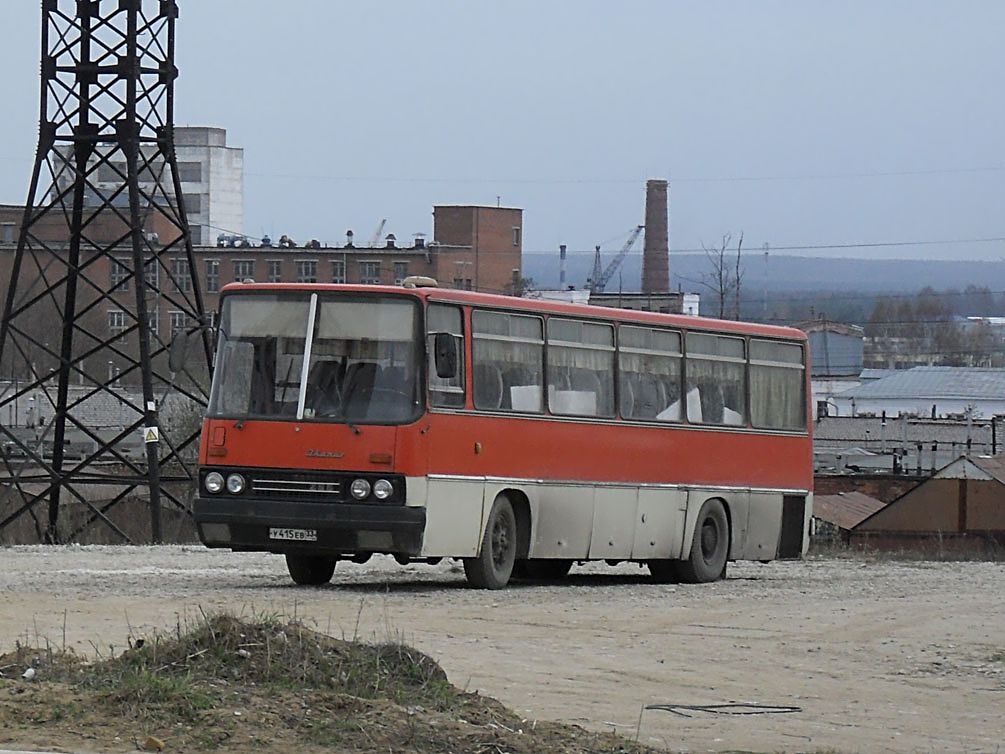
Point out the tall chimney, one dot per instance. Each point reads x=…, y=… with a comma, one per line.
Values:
x=655, y=258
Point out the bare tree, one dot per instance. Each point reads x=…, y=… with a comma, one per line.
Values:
x=726, y=276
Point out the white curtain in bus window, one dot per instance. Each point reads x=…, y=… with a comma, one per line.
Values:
x=650, y=371
x=508, y=361
x=262, y=353
x=382, y=320
x=445, y=392
x=580, y=368
x=715, y=383
x=777, y=385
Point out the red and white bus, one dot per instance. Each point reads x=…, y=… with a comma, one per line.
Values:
x=519, y=436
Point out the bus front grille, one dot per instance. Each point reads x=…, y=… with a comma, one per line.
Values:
x=299, y=487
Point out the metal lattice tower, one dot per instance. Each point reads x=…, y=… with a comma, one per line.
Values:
x=104, y=251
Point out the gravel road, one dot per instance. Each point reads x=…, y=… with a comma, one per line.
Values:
x=877, y=656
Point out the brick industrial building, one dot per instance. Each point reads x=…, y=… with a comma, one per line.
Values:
x=472, y=247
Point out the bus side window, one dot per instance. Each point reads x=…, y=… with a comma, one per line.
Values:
x=445, y=392
x=777, y=385
x=649, y=363
x=716, y=376
x=580, y=368
x=508, y=361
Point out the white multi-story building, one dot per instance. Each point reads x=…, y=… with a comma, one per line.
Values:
x=212, y=182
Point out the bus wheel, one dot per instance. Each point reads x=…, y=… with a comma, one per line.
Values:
x=494, y=564
x=709, y=547
x=546, y=570
x=310, y=570
x=664, y=571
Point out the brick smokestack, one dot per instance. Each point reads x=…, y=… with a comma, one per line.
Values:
x=655, y=258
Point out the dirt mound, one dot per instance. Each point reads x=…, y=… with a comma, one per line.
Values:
x=227, y=684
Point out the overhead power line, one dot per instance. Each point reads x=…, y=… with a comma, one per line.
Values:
x=936, y=171
x=804, y=247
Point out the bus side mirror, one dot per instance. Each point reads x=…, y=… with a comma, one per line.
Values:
x=179, y=351
x=445, y=355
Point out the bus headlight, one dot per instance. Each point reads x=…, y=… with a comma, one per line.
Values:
x=235, y=484
x=382, y=489
x=360, y=489
x=213, y=482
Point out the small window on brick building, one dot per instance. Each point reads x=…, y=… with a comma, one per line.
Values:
x=120, y=275
x=244, y=269
x=307, y=271
x=116, y=322
x=516, y=235
x=182, y=275
x=400, y=272
x=369, y=273
x=212, y=275
x=275, y=270
x=338, y=270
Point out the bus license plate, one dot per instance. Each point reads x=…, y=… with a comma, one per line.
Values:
x=297, y=535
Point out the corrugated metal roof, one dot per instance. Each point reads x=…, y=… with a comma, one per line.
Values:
x=935, y=383
x=845, y=509
x=993, y=465
x=974, y=467
x=875, y=374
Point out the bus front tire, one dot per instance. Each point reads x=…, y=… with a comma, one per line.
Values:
x=709, y=546
x=310, y=570
x=494, y=565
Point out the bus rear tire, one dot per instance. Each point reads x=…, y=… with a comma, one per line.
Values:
x=709, y=546
x=539, y=569
x=494, y=565
x=310, y=570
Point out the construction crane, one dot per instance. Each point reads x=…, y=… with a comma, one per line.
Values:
x=375, y=238
x=599, y=280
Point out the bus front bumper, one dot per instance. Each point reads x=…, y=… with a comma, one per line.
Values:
x=339, y=529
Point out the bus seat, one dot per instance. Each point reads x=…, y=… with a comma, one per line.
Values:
x=488, y=386
x=672, y=401
x=627, y=395
x=712, y=403
x=324, y=388
x=360, y=378
x=394, y=378
x=648, y=397
x=586, y=381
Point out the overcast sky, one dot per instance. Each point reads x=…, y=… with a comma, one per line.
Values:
x=798, y=123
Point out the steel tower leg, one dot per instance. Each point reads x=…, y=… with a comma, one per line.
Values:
x=104, y=253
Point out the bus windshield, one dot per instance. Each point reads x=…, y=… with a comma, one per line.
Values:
x=314, y=356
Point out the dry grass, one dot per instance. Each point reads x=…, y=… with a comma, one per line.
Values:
x=226, y=683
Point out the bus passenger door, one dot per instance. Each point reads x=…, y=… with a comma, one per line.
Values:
x=659, y=524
